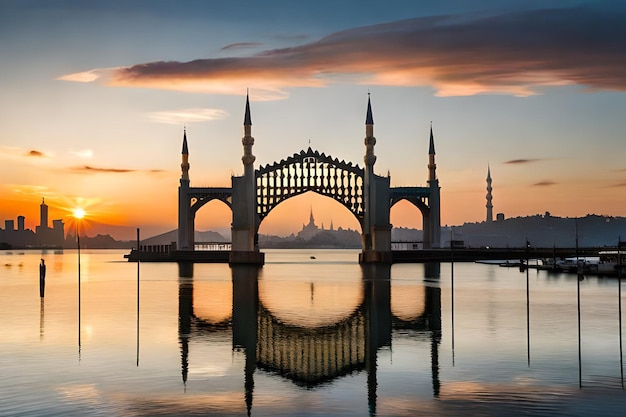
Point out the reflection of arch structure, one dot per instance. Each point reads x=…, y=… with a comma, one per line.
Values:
x=256, y=193
x=311, y=356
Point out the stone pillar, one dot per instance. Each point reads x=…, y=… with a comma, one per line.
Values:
x=245, y=218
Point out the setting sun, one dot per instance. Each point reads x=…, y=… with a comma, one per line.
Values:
x=78, y=213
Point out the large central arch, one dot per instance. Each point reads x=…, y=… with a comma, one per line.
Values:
x=310, y=171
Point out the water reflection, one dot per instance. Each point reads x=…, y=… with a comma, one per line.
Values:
x=41, y=318
x=311, y=356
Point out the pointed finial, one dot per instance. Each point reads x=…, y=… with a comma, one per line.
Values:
x=247, y=120
x=185, y=150
x=431, y=148
x=369, y=120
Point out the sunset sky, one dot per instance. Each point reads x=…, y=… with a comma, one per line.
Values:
x=95, y=95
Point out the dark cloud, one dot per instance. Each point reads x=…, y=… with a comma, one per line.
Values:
x=241, y=45
x=35, y=153
x=90, y=169
x=545, y=183
x=522, y=161
x=512, y=53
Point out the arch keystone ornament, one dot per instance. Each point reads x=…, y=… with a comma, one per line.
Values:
x=256, y=193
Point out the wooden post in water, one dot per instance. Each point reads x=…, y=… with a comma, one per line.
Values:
x=78, y=248
x=42, y=278
x=452, y=288
x=619, y=304
x=580, y=277
x=138, y=262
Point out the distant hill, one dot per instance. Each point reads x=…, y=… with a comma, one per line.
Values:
x=542, y=231
x=172, y=236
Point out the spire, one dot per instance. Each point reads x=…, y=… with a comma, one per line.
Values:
x=247, y=120
x=247, y=141
x=184, y=166
x=311, y=218
x=488, y=173
x=431, y=149
x=370, y=140
x=185, y=150
x=432, y=166
x=369, y=119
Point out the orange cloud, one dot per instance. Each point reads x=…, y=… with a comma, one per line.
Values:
x=187, y=115
x=522, y=161
x=90, y=169
x=241, y=45
x=512, y=53
x=545, y=183
x=36, y=153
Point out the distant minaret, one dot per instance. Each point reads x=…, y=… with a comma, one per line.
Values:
x=43, y=214
x=489, y=196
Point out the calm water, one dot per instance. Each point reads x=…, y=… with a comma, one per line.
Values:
x=304, y=337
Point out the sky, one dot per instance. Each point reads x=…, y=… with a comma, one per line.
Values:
x=95, y=97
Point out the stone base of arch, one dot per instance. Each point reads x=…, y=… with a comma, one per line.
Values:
x=377, y=249
x=246, y=258
x=372, y=256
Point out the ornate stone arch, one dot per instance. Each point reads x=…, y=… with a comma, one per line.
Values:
x=198, y=197
x=310, y=171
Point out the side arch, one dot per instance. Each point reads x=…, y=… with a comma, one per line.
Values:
x=198, y=199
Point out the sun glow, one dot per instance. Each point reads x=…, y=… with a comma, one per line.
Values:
x=79, y=213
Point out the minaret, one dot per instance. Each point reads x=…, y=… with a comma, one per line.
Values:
x=489, y=196
x=432, y=176
x=247, y=141
x=184, y=166
x=185, y=221
x=434, y=226
x=370, y=140
x=369, y=180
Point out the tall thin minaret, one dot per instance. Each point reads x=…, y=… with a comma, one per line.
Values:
x=184, y=166
x=369, y=179
x=185, y=222
x=247, y=141
x=370, y=140
x=489, y=196
x=434, y=226
x=432, y=166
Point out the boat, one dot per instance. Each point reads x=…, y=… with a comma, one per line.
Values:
x=606, y=263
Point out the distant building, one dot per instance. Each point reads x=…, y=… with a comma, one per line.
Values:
x=43, y=236
x=500, y=217
x=309, y=230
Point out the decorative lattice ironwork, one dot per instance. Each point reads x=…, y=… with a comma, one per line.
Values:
x=310, y=171
x=198, y=197
x=418, y=196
